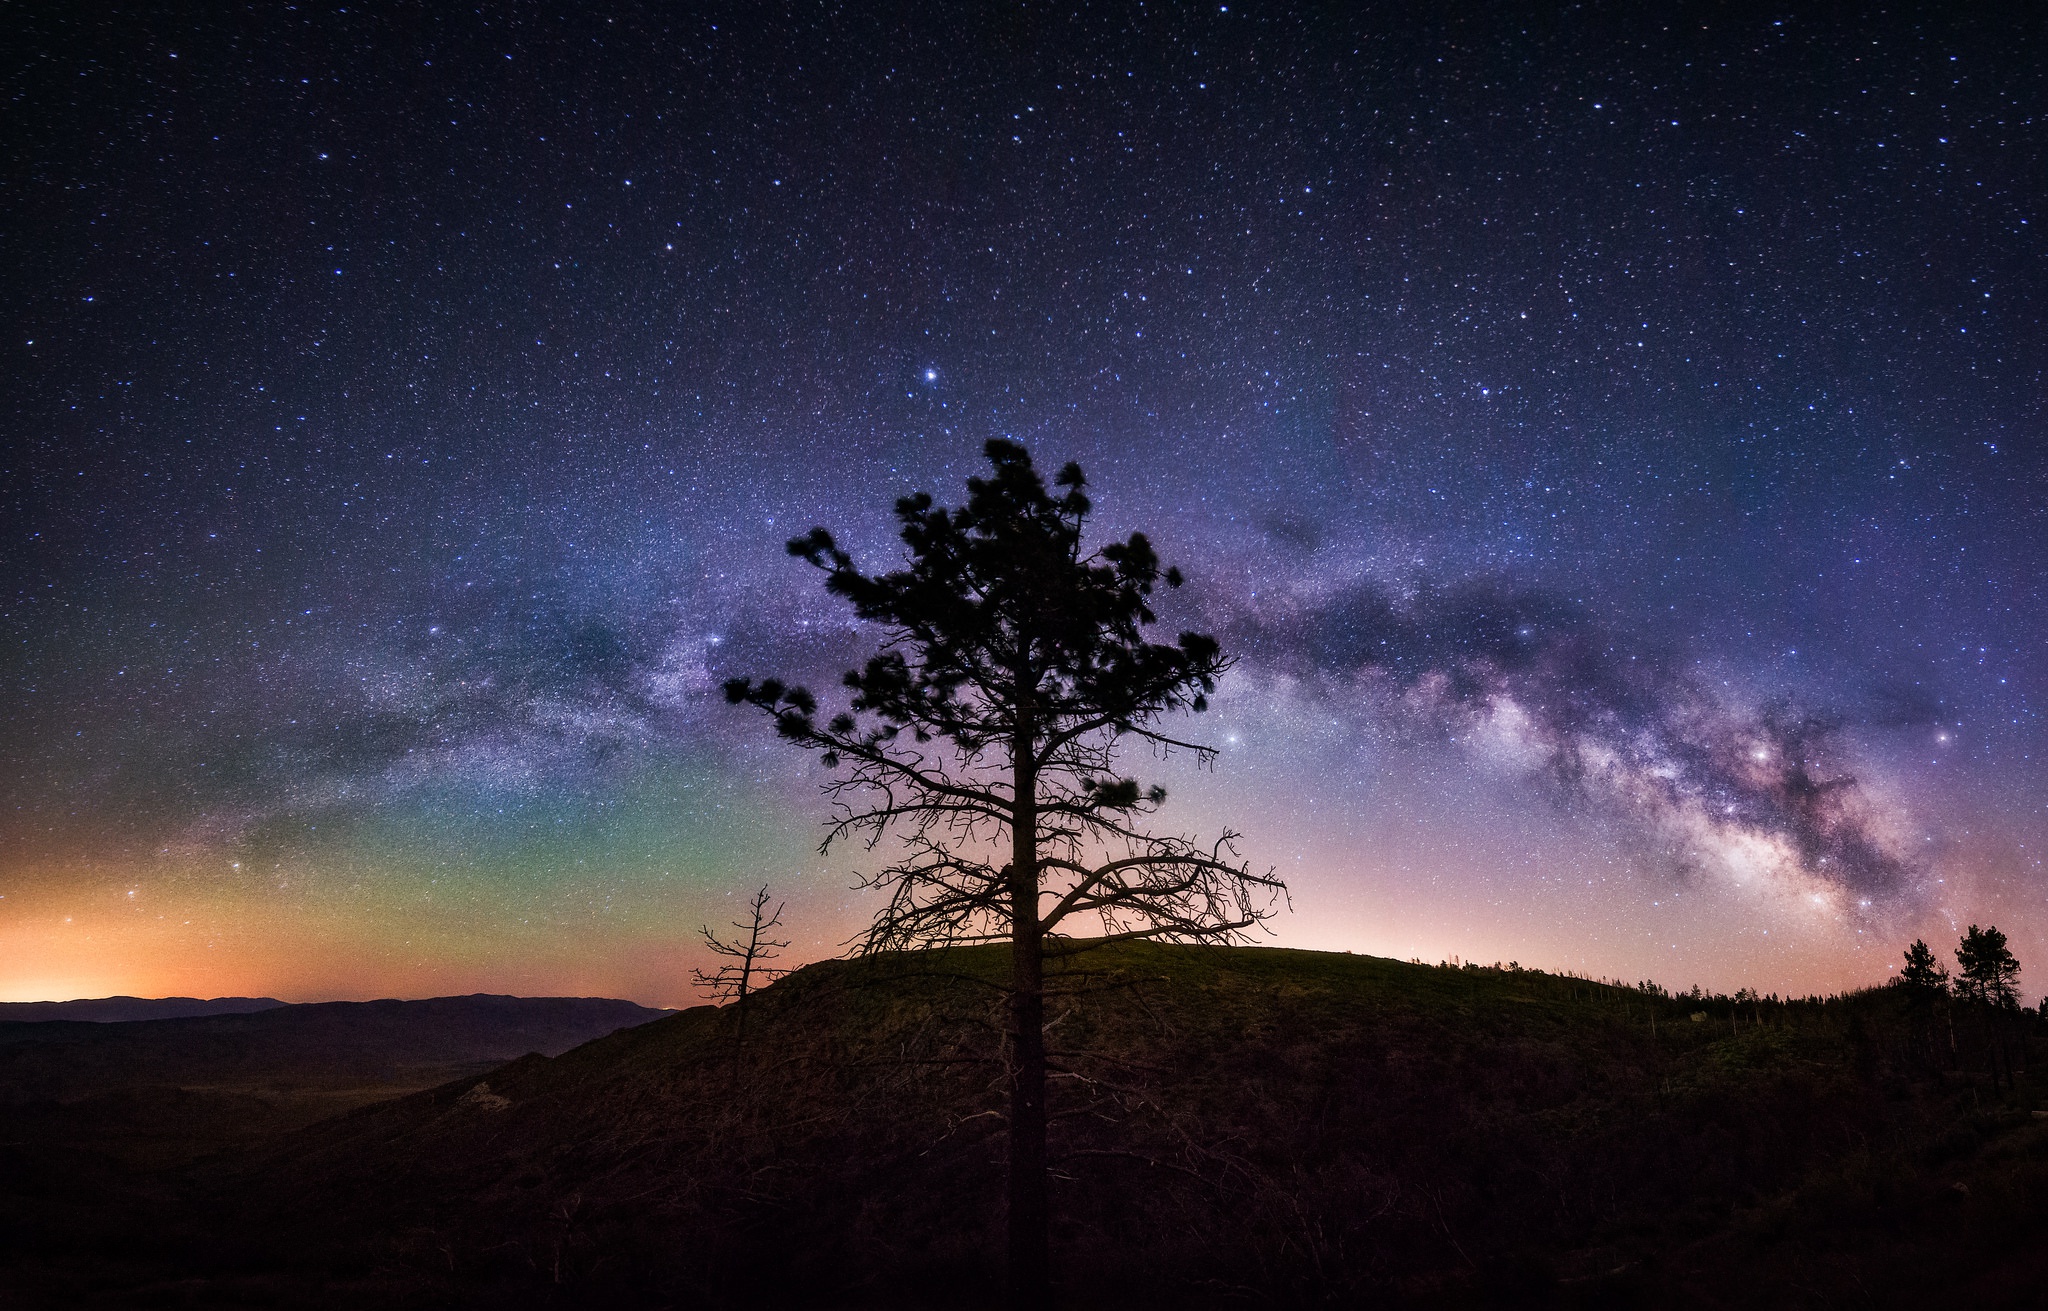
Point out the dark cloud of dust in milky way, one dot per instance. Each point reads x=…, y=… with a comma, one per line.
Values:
x=1622, y=727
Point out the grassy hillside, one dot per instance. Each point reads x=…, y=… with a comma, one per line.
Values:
x=1232, y=1127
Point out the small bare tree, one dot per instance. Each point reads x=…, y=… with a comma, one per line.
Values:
x=746, y=966
x=984, y=739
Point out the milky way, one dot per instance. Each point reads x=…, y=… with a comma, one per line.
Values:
x=1634, y=732
x=1611, y=444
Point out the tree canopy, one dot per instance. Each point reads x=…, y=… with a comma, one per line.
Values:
x=1923, y=973
x=1989, y=971
x=1011, y=666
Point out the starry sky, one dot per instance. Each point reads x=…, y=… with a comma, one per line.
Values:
x=1609, y=438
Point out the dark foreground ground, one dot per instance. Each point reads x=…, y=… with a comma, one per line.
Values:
x=98, y=1120
x=1234, y=1127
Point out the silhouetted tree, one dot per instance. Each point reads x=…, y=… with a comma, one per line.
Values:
x=746, y=966
x=1989, y=971
x=1923, y=973
x=984, y=740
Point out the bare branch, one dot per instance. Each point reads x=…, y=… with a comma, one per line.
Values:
x=749, y=953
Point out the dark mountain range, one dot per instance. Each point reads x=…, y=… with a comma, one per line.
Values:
x=115, y=1010
x=91, y=1103
x=1233, y=1127
x=326, y=1044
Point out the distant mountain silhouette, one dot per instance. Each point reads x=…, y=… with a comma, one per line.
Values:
x=90, y=1110
x=116, y=1010
x=336, y=1044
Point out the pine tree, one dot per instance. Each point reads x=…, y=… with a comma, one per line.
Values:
x=1989, y=971
x=1923, y=973
x=984, y=739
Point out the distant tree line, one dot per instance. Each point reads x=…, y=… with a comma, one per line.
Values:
x=1971, y=1023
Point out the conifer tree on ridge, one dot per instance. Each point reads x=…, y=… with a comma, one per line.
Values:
x=1990, y=972
x=983, y=741
x=1923, y=973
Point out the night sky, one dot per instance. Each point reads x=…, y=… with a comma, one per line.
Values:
x=1610, y=441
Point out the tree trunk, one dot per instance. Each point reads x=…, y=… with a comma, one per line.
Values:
x=1030, y=1265
x=1029, y=1262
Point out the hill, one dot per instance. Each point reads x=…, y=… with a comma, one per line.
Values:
x=326, y=1044
x=1233, y=1127
x=115, y=1010
x=91, y=1110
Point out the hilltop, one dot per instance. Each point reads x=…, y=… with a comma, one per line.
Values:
x=1233, y=1127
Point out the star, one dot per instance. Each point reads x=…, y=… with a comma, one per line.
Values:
x=1610, y=580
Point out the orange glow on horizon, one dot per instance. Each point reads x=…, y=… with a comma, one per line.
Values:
x=301, y=956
